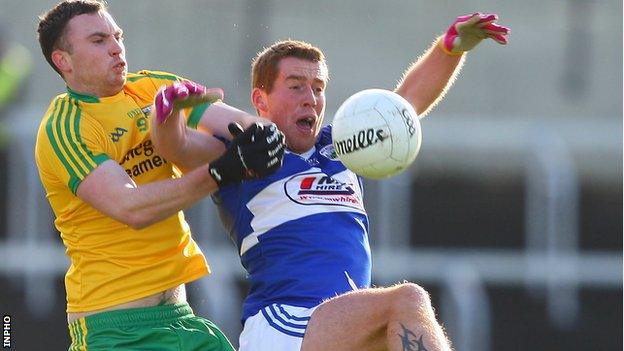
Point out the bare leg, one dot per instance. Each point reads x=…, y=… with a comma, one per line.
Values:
x=395, y=318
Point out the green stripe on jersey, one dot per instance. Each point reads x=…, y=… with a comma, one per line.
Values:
x=81, y=148
x=82, y=161
x=50, y=131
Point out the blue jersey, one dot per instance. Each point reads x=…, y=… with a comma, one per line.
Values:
x=302, y=233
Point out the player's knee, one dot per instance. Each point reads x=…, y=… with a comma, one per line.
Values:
x=411, y=298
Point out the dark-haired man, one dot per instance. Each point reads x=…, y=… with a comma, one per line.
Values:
x=117, y=201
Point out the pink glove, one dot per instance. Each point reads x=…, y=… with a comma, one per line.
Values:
x=172, y=98
x=468, y=31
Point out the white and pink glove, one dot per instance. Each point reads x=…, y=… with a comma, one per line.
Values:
x=173, y=98
x=468, y=31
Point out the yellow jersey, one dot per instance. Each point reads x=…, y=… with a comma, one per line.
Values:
x=112, y=263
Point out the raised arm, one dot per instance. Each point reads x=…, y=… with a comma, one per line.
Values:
x=426, y=81
x=186, y=147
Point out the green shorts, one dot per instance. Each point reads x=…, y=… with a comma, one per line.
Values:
x=166, y=327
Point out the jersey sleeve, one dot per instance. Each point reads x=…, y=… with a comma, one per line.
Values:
x=159, y=78
x=71, y=144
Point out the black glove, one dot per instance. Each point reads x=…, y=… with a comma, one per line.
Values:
x=254, y=153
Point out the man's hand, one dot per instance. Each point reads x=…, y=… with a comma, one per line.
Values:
x=254, y=153
x=171, y=99
x=468, y=31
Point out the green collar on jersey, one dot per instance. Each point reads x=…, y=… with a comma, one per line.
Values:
x=82, y=97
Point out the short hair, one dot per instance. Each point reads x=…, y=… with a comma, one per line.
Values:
x=264, y=67
x=53, y=25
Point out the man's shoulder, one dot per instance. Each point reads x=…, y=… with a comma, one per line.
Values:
x=57, y=109
x=58, y=99
x=55, y=105
x=64, y=115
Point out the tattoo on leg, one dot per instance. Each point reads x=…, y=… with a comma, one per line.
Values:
x=410, y=342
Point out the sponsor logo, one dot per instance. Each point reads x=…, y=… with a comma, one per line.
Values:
x=144, y=159
x=323, y=185
x=117, y=134
x=320, y=189
x=360, y=140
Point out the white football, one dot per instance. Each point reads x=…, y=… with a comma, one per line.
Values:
x=376, y=133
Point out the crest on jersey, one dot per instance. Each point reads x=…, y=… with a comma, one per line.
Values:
x=147, y=110
x=329, y=152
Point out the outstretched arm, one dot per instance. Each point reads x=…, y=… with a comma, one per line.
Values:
x=426, y=81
